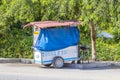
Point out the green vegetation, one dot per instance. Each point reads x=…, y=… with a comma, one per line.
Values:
x=16, y=41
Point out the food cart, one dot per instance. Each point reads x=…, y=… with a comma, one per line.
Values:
x=55, y=42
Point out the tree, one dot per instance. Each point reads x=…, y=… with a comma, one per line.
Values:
x=97, y=14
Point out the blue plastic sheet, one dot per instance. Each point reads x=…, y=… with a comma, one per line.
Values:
x=51, y=39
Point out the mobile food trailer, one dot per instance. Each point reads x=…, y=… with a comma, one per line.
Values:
x=55, y=45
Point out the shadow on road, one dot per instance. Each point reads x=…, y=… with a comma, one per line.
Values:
x=77, y=68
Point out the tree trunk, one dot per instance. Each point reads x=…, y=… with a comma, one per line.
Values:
x=93, y=42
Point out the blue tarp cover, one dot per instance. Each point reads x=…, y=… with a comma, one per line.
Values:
x=51, y=39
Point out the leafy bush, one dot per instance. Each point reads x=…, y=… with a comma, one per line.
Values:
x=16, y=44
x=107, y=50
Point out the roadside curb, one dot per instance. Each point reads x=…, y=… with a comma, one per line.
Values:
x=16, y=60
x=27, y=61
x=97, y=64
x=10, y=60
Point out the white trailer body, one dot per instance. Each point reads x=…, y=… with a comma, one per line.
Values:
x=46, y=57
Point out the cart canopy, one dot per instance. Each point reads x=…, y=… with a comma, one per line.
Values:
x=51, y=39
x=47, y=24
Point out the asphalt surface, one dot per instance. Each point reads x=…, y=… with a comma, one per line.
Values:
x=18, y=71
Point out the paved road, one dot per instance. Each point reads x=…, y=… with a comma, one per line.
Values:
x=34, y=72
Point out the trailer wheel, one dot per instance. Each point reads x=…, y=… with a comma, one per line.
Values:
x=58, y=62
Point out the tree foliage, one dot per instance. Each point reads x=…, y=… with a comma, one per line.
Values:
x=16, y=42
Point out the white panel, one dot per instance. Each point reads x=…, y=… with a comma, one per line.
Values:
x=36, y=32
x=68, y=54
x=37, y=57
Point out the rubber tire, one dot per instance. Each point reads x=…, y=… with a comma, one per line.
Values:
x=55, y=63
